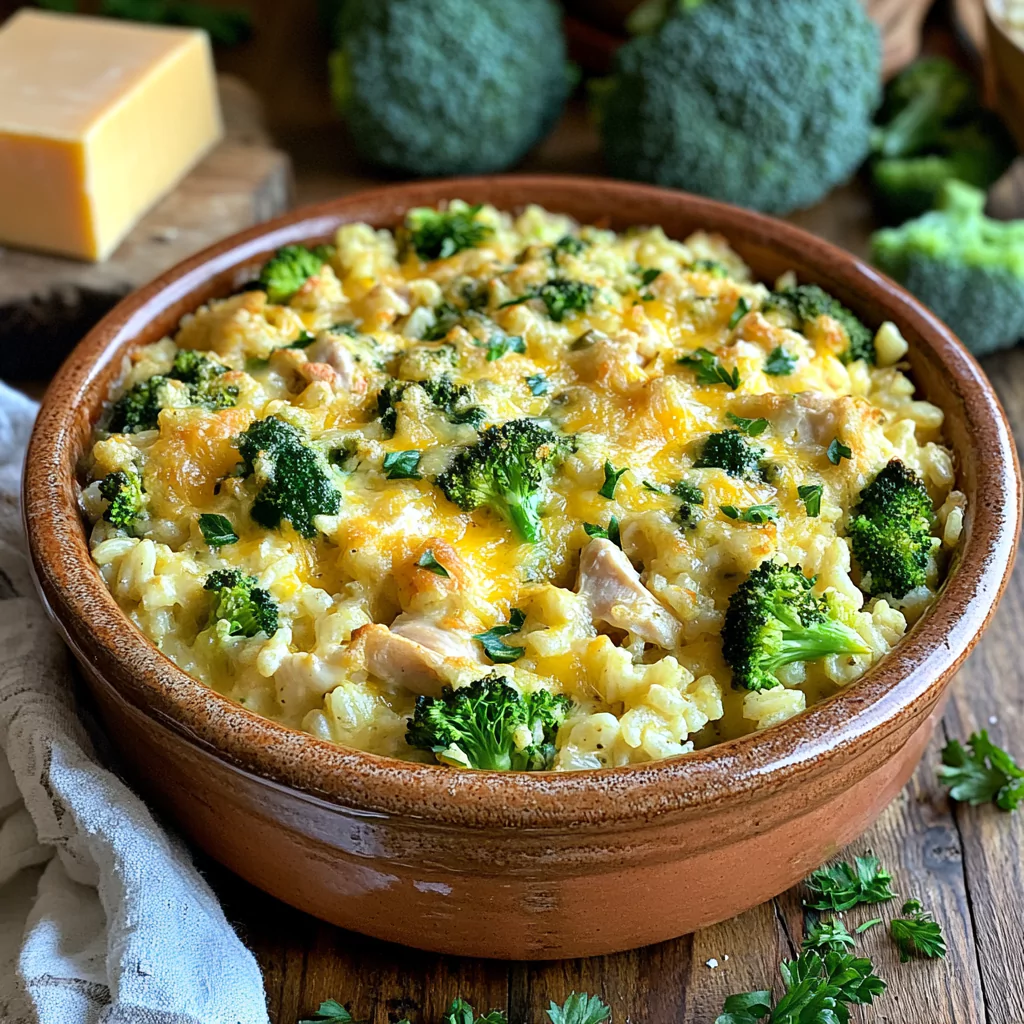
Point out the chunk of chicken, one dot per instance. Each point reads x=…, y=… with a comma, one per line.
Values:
x=449, y=643
x=402, y=661
x=613, y=592
x=333, y=352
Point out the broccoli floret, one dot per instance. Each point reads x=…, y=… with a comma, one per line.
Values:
x=806, y=302
x=506, y=470
x=295, y=480
x=732, y=451
x=123, y=489
x=561, y=296
x=139, y=407
x=449, y=87
x=967, y=268
x=933, y=129
x=774, y=619
x=489, y=725
x=246, y=608
x=891, y=531
x=438, y=234
x=454, y=400
x=288, y=270
x=765, y=111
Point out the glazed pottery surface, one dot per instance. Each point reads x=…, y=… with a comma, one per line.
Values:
x=520, y=865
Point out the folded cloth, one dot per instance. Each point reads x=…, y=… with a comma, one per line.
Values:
x=103, y=918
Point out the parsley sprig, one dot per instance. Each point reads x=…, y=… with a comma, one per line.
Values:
x=917, y=933
x=752, y=428
x=842, y=886
x=987, y=773
x=709, y=370
x=828, y=936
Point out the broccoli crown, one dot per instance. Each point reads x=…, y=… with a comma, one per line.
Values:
x=490, y=725
x=732, y=451
x=506, y=470
x=295, y=480
x=967, y=268
x=806, y=302
x=890, y=531
x=124, y=492
x=288, y=270
x=774, y=619
x=139, y=407
x=449, y=87
x=237, y=600
x=932, y=129
x=454, y=400
x=438, y=234
x=767, y=112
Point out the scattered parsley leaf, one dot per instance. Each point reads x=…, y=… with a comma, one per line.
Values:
x=611, y=532
x=837, y=451
x=987, y=773
x=498, y=651
x=502, y=344
x=810, y=495
x=917, y=933
x=538, y=384
x=710, y=370
x=840, y=886
x=330, y=1012
x=862, y=928
x=825, y=936
x=745, y=1008
x=304, y=340
x=428, y=561
x=756, y=514
x=461, y=1012
x=752, y=428
x=611, y=479
x=780, y=363
x=579, y=1008
x=217, y=530
x=711, y=267
x=402, y=465
x=648, y=275
x=741, y=310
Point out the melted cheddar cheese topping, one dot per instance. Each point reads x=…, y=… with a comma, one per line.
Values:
x=365, y=620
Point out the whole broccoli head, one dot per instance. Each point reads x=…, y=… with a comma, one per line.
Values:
x=288, y=270
x=890, y=531
x=730, y=450
x=295, y=480
x=448, y=87
x=123, y=489
x=932, y=128
x=968, y=269
x=489, y=725
x=139, y=407
x=506, y=470
x=774, y=619
x=806, y=302
x=246, y=608
x=765, y=108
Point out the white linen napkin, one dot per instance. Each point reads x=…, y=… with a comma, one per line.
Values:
x=103, y=918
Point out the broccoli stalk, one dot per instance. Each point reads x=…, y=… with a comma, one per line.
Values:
x=967, y=268
x=489, y=725
x=295, y=479
x=123, y=489
x=774, y=619
x=288, y=270
x=246, y=608
x=506, y=470
x=801, y=305
x=890, y=531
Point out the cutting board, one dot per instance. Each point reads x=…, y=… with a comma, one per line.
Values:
x=48, y=303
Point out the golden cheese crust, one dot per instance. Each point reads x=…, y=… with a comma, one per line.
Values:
x=631, y=632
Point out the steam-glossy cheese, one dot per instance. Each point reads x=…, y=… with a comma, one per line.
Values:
x=98, y=119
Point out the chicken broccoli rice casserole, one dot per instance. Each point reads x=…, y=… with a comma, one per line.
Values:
x=509, y=492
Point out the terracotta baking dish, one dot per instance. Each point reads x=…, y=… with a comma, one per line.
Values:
x=520, y=865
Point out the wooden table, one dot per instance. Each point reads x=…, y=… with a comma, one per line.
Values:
x=964, y=864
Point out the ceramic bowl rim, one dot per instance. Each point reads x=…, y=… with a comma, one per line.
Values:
x=907, y=681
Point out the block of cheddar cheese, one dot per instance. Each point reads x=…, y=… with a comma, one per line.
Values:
x=98, y=119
